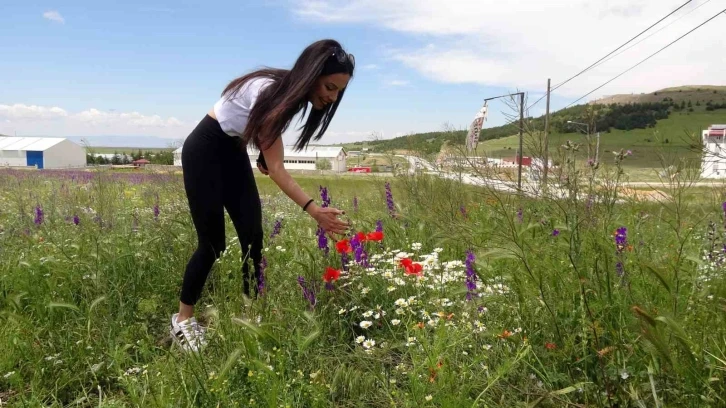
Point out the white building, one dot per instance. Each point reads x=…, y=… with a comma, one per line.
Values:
x=303, y=160
x=43, y=152
x=713, y=163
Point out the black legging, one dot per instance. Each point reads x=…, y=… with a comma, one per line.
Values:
x=218, y=175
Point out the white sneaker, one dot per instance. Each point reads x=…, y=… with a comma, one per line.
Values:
x=188, y=334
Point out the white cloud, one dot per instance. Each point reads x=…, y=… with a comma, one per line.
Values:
x=55, y=121
x=20, y=111
x=369, y=67
x=53, y=15
x=519, y=44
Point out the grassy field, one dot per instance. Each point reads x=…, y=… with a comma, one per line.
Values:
x=647, y=145
x=471, y=299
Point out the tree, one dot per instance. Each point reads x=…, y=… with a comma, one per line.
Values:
x=323, y=164
x=116, y=159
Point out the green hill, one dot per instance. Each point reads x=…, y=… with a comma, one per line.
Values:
x=664, y=121
x=672, y=137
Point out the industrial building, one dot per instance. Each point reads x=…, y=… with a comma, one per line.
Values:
x=41, y=152
x=713, y=163
x=303, y=160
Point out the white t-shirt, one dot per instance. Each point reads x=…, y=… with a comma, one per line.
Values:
x=232, y=113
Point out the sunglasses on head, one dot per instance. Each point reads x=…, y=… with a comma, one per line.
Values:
x=343, y=57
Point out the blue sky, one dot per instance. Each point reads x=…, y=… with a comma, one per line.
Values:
x=81, y=68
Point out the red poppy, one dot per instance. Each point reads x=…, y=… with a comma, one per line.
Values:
x=343, y=246
x=550, y=346
x=361, y=236
x=375, y=236
x=411, y=267
x=331, y=274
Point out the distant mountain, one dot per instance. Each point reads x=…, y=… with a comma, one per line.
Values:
x=127, y=141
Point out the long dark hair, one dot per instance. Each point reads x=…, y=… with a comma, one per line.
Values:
x=279, y=102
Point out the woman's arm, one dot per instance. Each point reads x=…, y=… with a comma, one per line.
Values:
x=326, y=217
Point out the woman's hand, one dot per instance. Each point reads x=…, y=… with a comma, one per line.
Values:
x=327, y=218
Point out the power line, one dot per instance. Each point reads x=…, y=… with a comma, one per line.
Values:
x=611, y=52
x=654, y=33
x=628, y=42
x=648, y=57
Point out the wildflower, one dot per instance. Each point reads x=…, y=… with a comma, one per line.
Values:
x=369, y=343
x=361, y=257
x=38, y=215
x=368, y=313
x=550, y=346
x=395, y=322
x=343, y=246
x=621, y=236
x=470, y=275
x=365, y=324
x=324, y=196
x=76, y=220
x=360, y=339
x=411, y=268
x=428, y=397
x=555, y=232
x=156, y=211
x=462, y=210
x=520, y=216
x=276, y=228
x=330, y=276
x=308, y=293
x=322, y=240
x=389, y=200
x=379, y=225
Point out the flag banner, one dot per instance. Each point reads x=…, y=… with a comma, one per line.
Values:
x=472, y=138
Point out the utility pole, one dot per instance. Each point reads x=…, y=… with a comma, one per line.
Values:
x=546, y=136
x=521, y=127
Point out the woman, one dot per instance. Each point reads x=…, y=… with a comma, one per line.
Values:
x=255, y=108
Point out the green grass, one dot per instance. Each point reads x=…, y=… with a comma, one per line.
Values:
x=646, y=144
x=551, y=322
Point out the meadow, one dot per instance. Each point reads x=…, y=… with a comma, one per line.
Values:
x=442, y=295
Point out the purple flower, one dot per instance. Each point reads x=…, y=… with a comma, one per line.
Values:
x=38, y=215
x=619, y=269
x=276, y=228
x=723, y=206
x=156, y=211
x=555, y=232
x=76, y=220
x=355, y=203
x=621, y=239
x=379, y=226
x=462, y=209
x=261, y=281
x=470, y=275
x=308, y=293
x=322, y=240
x=520, y=216
x=361, y=257
x=389, y=199
x=344, y=261
x=324, y=196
